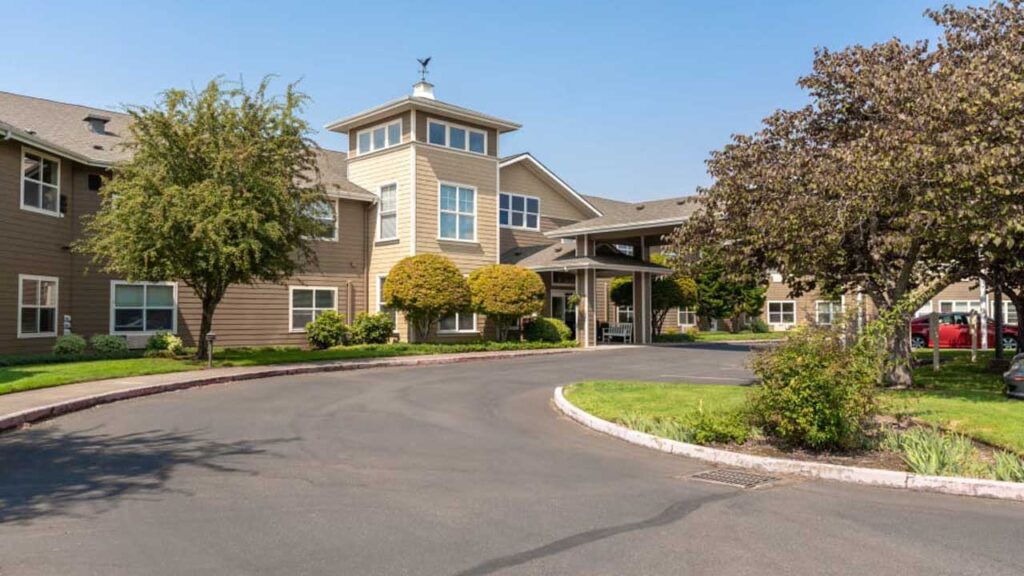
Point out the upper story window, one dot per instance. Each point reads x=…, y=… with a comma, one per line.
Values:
x=458, y=213
x=143, y=307
x=457, y=137
x=515, y=211
x=387, y=213
x=379, y=137
x=326, y=213
x=37, y=306
x=40, y=183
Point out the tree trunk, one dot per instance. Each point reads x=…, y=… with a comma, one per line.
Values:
x=898, y=370
x=999, y=322
x=209, y=306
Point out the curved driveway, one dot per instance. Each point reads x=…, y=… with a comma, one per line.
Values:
x=458, y=469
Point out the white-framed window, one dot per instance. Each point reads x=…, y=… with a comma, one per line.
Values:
x=387, y=212
x=306, y=303
x=143, y=307
x=379, y=137
x=457, y=213
x=626, y=249
x=458, y=322
x=458, y=137
x=37, y=306
x=518, y=211
x=624, y=314
x=687, y=317
x=782, y=312
x=40, y=183
x=960, y=306
x=327, y=214
x=380, y=301
x=827, y=311
x=1009, y=311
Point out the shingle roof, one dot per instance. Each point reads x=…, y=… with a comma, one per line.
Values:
x=673, y=211
x=562, y=256
x=334, y=174
x=63, y=126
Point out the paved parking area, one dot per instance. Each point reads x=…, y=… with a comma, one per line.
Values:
x=458, y=469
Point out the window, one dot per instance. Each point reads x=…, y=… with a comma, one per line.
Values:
x=515, y=211
x=457, y=137
x=95, y=182
x=458, y=213
x=380, y=301
x=624, y=314
x=827, y=311
x=326, y=214
x=960, y=306
x=40, y=183
x=458, y=322
x=563, y=278
x=142, y=307
x=782, y=313
x=1009, y=311
x=626, y=249
x=309, y=303
x=387, y=213
x=687, y=317
x=379, y=137
x=37, y=306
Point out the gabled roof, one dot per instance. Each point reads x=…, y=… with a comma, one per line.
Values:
x=334, y=175
x=399, y=105
x=656, y=213
x=60, y=128
x=528, y=158
x=561, y=256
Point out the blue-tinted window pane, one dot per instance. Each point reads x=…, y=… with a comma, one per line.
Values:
x=533, y=205
x=458, y=136
x=378, y=139
x=466, y=227
x=394, y=134
x=503, y=217
x=364, y=142
x=531, y=221
x=447, y=225
x=517, y=218
x=448, y=198
x=518, y=202
x=437, y=134
x=503, y=202
x=476, y=142
x=466, y=197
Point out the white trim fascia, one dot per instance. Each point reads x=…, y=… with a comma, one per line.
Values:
x=497, y=212
x=412, y=197
x=21, y=182
x=576, y=195
x=437, y=106
x=110, y=310
x=460, y=152
x=557, y=233
x=476, y=212
x=291, y=300
x=56, y=305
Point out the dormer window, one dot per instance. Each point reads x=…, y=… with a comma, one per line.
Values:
x=457, y=137
x=379, y=137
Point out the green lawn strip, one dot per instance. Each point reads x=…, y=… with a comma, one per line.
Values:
x=613, y=400
x=31, y=376
x=719, y=336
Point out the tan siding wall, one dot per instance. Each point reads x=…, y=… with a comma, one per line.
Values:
x=555, y=209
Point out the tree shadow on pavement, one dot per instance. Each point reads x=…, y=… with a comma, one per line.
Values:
x=46, y=472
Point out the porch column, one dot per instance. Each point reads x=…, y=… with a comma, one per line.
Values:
x=642, y=307
x=586, y=310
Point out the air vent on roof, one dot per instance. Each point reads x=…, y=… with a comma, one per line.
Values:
x=97, y=147
x=639, y=206
x=97, y=123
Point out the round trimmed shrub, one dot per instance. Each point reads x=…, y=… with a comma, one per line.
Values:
x=548, y=330
x=426, y=287
x=165, y=342
x=69, y=345
x=372, y=328
x=327, y=330
x=506, y=293
x=108, y=345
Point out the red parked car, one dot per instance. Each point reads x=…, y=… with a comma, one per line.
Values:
x=954, y=332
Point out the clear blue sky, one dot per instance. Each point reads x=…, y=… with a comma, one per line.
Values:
x=622, y=99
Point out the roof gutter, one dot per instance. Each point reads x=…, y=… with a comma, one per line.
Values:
x=558, y=233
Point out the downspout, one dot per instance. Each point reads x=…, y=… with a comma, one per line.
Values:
x=366, y=256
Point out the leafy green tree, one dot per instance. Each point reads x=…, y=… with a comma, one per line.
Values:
x=426, y=287
x=217, y=192
x=667, y=292
x=506, y=293
x=720, y=295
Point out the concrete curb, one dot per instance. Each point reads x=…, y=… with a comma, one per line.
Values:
x=854, y=475
x=34, y=414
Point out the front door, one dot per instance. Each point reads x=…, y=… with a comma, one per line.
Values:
x=563, y=308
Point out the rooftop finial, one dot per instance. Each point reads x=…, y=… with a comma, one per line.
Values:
x=424, y=62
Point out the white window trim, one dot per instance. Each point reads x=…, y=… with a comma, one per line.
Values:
x=174, y=316
x=380, y=204
x=56, y=305
x=619, y=309
x=21, y=179
x=333, y=238
x=291, y=301
x=768, y=314
x=476, y=212
x=457, y=330
x=1007, y=307
x=953, y=304
x=679, y=317
x=842, y=309
x=448, y=136
x=526, y=200
x=387, y=139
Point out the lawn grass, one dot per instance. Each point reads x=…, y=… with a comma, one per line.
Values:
x=31, y=376
x=613, y=400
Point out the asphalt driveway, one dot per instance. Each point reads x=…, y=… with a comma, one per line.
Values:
x=458, y=469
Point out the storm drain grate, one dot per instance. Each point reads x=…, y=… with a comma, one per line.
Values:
x=736, y=478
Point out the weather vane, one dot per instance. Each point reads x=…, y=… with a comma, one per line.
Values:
x=423, y=68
